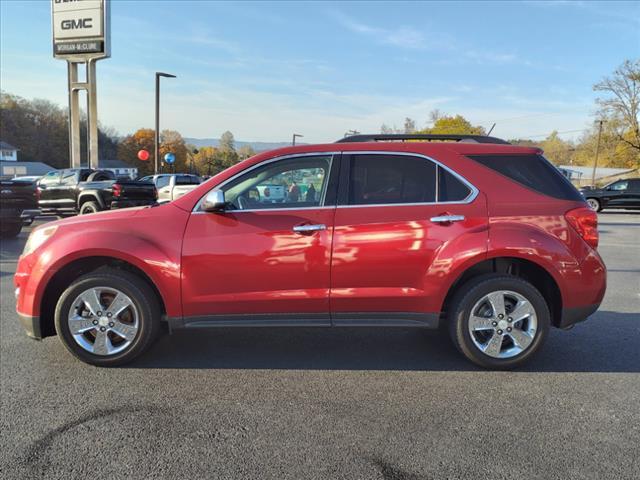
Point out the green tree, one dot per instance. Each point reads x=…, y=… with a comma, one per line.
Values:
x=226, y=154
x=40, y=130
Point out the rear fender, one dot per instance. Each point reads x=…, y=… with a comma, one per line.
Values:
x=91, y=196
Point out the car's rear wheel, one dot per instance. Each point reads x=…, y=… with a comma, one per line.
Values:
x=89, y=207
x=594, y=204
x=498, y=321
x=108, y=317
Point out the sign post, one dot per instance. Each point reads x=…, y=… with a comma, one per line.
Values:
x=81, y=35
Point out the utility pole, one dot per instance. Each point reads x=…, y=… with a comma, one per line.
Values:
x=293, y=142
x=595, y=162
x=157, y=139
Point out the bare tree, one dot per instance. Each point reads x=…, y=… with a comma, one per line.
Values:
x=622, y=103
x=409, y=125
x=434, y=116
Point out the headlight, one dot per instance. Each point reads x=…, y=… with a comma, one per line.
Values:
x=37, y=238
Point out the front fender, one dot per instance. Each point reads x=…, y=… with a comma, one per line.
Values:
x=150, y=241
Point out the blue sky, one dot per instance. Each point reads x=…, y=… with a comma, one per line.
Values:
x=264, y=70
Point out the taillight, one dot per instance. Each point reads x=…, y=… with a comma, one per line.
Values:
x=155, y=193
x=37, y=193
x=117, y=190
x=585, y=222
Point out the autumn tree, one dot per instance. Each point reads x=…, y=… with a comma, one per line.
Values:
x=445, y=124
x=206, y=161
x=172, y=142
x=245, y=152
x=128, y=148
x=557, y=150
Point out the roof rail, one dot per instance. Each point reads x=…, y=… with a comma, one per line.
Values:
x=386, y=137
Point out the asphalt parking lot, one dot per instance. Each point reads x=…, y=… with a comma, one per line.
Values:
x=321, y=403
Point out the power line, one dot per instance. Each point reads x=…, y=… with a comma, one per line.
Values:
x=553, y=131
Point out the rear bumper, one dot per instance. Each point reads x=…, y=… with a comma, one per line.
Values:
x=31, y=325
x=131, y=203
x=573, y=315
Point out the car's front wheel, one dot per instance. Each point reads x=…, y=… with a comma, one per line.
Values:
x=108, y=317
x=498, y=321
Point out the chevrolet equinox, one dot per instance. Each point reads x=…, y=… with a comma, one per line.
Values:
x=470, y=234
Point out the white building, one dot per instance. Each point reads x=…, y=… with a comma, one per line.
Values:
x=8, y=152
x=118, y=167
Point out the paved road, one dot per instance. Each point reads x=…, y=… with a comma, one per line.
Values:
x=389, y=404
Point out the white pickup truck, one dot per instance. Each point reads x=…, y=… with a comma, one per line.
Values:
x=174, y=185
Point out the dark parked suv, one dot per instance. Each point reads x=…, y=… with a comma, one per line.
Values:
x=620, y=194
x=483, y=238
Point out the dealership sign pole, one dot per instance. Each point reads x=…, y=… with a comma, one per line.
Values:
x=81, y=35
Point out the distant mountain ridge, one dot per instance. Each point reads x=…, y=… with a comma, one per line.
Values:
x=257, y=146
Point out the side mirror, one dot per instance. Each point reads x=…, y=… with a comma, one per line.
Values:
x=214, y=201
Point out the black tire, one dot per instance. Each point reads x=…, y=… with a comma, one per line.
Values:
x=10, y=230
x=144, y=300
x=89, y=207
x=594, y=204
x=472, y=292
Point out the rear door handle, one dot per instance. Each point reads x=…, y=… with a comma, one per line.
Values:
x=447, y=218
x=309, y=228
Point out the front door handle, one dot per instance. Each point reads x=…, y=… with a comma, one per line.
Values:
x=447, y=218
x=309, y=228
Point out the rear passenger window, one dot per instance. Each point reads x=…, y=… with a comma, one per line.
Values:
x=450, y=189
x=532, y=171
x=187, y=180
x=390, y=179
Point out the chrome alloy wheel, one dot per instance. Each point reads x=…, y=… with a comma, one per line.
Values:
x=593, y=204
x=103, y=321
x=503, y=324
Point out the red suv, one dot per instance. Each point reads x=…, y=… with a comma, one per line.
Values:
x=472, y=234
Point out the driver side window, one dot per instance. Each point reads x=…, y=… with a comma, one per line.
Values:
x=619, y=186
x=290, y=183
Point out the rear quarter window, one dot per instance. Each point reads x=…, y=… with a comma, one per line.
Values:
x=450, y=189
x=532, y=171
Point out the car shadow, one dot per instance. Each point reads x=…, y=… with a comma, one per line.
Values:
x=608, y=342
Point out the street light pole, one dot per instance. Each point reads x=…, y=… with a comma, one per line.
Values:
x=595, y=162
x=293, y=142
x=157, y=136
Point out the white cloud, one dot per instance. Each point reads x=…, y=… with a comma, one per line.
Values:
x=403, y=36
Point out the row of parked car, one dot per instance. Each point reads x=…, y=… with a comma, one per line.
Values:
x=80, y=191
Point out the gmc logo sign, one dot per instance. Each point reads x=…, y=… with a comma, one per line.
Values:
x=76, y=24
